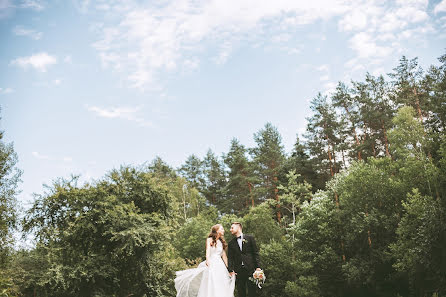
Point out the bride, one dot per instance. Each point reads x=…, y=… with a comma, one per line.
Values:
x=211, y=278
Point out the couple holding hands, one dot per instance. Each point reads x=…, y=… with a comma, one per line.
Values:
x=226, y=265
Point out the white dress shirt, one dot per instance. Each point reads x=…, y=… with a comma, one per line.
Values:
x=240, y=241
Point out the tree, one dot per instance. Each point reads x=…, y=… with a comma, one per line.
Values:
x=110, y=238
x=240, y=186
x=419, y=249
x=294, y=194
x=322, y=137
x=161, y=168
x=349, y=110
x=316, y=250
x=191, y=237
x=268, y=156
x=9, y=180
x=406, y=81
x=299, y=161
x=214, y=179
x=192, y=170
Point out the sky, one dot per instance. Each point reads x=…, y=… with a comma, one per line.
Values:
x=87, y=86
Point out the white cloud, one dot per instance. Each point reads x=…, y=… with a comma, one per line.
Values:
x=40, y=156
x=153, y=38
x=440, y=7
x=324, y=68
x=6, y=91
x=126, y=113
x=354, y=65
x=146, y=39
x=21, y=31
x=380, y=28
x=225, y=51
x=191, y=63
x=415, y=15
x=292, y=50
x=57, y=82
x=84, y=5
x=354, y=21
x=366, y=47
x=324, y=77
x=33, y=4
x=283, y=37
x=39, y=61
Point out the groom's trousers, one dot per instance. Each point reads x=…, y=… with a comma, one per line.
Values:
x=243, y=283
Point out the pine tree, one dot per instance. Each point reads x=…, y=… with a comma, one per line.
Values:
x=268, y=156
x=343, y=100
x=300, y=162
x=321, y=136
x=214, y=179
x=192, y=170
x=406, y=81
x=240, y=186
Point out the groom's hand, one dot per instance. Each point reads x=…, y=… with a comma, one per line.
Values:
x=231, y=274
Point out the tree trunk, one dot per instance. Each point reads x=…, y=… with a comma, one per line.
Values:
x=334, y=158
x=276, y=195
x=369, y=239
x=417, y=103
x=386, y=141
x=329, y=152
x=251, y=194
x=354, y=131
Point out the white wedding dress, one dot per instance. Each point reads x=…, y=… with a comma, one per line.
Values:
x=206, y=281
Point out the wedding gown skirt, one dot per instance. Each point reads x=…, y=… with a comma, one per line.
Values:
x=206, y=281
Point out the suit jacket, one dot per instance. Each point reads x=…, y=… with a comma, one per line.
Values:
x=249, y=255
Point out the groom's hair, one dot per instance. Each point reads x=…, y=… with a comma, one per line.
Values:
x=238, y=223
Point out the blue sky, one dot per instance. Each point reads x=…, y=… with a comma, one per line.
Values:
x=86, y=86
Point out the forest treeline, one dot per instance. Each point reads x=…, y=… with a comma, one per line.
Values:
x=357, y=208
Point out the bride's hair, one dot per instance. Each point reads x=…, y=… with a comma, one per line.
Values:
x=213, y=234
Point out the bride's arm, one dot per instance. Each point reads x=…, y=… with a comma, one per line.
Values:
x=208, y=250
x=225, y=258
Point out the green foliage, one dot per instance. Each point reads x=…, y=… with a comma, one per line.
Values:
x=9, y=179
x=419, y=248
x=304, y=286
x=110, y=238
x=191, y=237
x=240, y=186
x=268, y=157
x=317, y=239
x=214, y=179
x=294, y=194
x=277, y=259
x=261, y=223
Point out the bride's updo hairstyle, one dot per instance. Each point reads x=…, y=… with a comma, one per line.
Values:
x=214, y=235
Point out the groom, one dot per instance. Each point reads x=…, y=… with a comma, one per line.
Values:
x=243, y=260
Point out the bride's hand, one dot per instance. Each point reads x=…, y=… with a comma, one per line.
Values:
x=207, y=263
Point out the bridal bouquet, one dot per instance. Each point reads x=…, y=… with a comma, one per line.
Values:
x=258, y=277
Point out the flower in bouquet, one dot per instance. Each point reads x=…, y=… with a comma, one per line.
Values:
x=258, y=277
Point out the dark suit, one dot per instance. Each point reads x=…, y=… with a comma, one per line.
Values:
x=244, y=262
